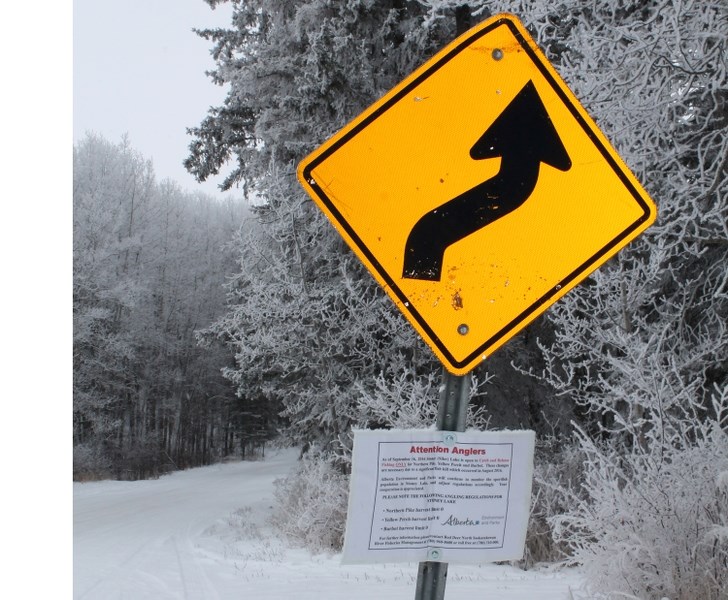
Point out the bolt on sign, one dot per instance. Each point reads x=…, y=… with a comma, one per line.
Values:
x=478, y=192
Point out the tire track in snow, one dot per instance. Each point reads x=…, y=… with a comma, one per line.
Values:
x=195, y=582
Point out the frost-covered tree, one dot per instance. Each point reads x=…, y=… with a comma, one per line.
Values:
x=310, y=328
x=149, y=264
x=642, y=347
x=111, y=204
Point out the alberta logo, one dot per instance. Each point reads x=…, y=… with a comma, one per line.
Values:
x=453, y=521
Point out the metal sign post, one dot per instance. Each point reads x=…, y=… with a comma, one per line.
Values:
x=451, y=416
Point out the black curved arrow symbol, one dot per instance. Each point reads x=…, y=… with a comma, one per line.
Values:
x=524, y=137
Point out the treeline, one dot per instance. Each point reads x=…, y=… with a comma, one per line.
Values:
x=149, y=264
x=625, y=380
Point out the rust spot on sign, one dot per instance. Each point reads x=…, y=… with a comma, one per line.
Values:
x=457, y=300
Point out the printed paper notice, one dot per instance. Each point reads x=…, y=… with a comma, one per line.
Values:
x=431, y=495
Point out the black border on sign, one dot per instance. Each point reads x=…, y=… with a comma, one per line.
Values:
x=407, y=304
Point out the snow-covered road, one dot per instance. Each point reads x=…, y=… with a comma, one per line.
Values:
x=142, y=539
x=201, y=535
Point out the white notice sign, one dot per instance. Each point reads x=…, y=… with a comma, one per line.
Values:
x=425, y=495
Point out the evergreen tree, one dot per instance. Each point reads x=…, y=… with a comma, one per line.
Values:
x=312, y=331
x=309, y=326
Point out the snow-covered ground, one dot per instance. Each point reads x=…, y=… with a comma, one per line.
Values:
x=203, y=534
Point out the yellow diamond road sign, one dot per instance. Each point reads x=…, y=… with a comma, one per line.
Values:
x=478, y=191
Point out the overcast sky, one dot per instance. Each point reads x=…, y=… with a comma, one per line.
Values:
x=139, y=69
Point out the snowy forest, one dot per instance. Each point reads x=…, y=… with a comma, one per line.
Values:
x=204, y=330
x=148, y=270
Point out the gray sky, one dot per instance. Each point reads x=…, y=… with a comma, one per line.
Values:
x=139, y=69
